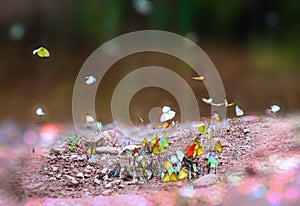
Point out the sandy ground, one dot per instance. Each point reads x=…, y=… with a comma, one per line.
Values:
x=265, y=171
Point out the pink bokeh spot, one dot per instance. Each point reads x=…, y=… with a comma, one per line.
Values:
x=30, y=137
x=49, y=132
x=291, y=193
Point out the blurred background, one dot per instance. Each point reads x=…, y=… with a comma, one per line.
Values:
x=255, y=46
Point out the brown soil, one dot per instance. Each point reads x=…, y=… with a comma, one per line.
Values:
x=248, y=152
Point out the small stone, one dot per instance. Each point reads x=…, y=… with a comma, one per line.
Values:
x=97, y=181
x=108, y=185
x=59, y=176
x=80, y=175
x=107, y=150
x=74, y=182
x=52, y=178
x=246, y=131
x=107, y=192
x=54, y=169
x=103, y=158
x=74, y=156
x=121, y=186
x=81, y=158
x=35, y=186
x=206, y=180
x=117, y=182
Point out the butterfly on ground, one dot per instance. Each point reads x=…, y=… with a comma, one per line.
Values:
x=218, y=146
x=238, y=111
x=115, y=172
x=90, y=80
x=198, y=78
x=274, y=108
x=39, y=111
x=89, y=118
x=163, y=142
x=167, y=114
x=41, y=52
x=194, y=149
x=212, y=163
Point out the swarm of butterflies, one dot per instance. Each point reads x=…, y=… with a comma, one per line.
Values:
x=172, y=167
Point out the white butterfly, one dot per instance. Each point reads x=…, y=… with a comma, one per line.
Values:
x=275, y=108
x=89, y=118
x=40, y=112
x=90, y=80
x=238, y=111
x=168, y=114
x=207, y=101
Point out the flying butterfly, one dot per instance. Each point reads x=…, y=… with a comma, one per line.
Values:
x=198, y=78
x=216, y=117
x=164, y=125
x=167, y=114
x=90, y=80
x=238, y=111
x=89, y=118
x=39, y=111
x=202, y=128
x=163, y=142
x=41, y=52
x=274, y=108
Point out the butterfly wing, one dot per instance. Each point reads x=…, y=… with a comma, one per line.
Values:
x=218, y=146
x=190, y=150
x=182, y=174
x=238, y=111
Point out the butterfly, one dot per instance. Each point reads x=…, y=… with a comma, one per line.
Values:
x=168, y=114
x=175, y=124
x=164, y=125
x=163, y=142
x=145, y=142
x=100, y=127
x=89, y=118
x=202, y=128
x=41, y=52
x=194, y=149
x=39, y=111
x=218, y=146
x=166, y=177
x=212, y=163
x=216, y=117
x=198, y=78
x=182, y=174
x=275, y=108
x=238, y=111
x=90, y=80
x=115, y=172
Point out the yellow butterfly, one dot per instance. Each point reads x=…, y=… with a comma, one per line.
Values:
x=41, y=52
x=198, y=78
x=145, y=142
x=182, y=174
x=155, y=149
x=202, y=128
x=91, y=148
x=218, y=146
x=164, y=125
x=216, y=117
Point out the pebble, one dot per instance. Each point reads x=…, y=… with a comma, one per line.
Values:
x=107, y=150
x=206, y=180
x=107, y=192
x=104, y=170
x=35, y=186
x=97, y=181
x=81, y=158
x=108, y=185
x=80, y=174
